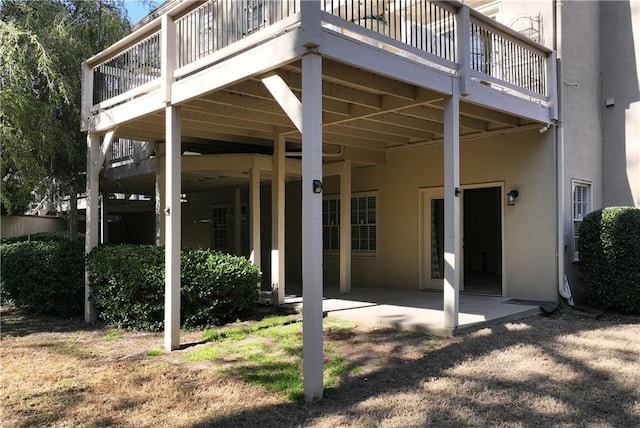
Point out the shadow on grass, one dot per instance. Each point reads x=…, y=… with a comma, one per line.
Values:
x=20, y=322
x=589, y=396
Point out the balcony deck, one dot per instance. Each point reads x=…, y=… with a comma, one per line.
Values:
x=387, y=67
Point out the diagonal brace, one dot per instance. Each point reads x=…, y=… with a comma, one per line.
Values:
x=285, y=97
x=102, y=155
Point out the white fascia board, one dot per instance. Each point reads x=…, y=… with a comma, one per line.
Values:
x=506, y=103
x=256, y=61
x=371, y=58
x=147, y=104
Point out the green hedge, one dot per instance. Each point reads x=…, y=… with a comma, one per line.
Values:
x=43, y=236
x=47, y=276
x=609, y=267
x=127, y=286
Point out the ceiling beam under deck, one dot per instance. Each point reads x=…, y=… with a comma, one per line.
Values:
x=367, y=134
x=387, y=128
x=435, y=114
x=202, y=131
x=411, y=122
x=334, y=91
x=343, y=140
x=356, y=78
x=257, y=89
x=207, y=107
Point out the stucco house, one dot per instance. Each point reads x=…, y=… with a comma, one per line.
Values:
x=461, y=142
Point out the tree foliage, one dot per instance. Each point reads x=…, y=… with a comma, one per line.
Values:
x=42, y=46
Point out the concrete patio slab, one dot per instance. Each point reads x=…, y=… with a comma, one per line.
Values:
x=415, y=310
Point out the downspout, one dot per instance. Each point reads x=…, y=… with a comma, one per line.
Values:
x=563, y=283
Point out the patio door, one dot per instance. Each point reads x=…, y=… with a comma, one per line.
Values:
x=482, y=237
x=431, y=238
x=481, y=244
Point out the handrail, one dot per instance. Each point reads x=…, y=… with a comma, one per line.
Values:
x=424, y=30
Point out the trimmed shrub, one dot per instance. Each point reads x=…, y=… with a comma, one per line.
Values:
x=47, y=276
x=609, y=249
x=127, y=286
x=216, y=287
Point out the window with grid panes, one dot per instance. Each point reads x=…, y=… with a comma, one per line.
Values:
x=363, y=224
x=581, y=201
x=331, y=225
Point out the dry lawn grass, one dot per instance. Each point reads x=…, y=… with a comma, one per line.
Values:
x=565, y=370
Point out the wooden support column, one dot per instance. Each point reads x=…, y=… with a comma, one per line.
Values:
x=312, y=350
x=463, y=28
x=237, y=222
x=173, y=229
x=345, y=228
x=93, y=227
x=104, y=217
x=160, y=192
x=277, y=220
x=254, y=224
x=452, y=209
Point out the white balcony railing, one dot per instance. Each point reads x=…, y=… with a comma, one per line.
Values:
x=494, y=54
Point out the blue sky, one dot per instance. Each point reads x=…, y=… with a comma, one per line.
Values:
x=138, y=9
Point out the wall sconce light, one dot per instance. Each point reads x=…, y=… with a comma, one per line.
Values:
x=317, y=186
x=511, y=197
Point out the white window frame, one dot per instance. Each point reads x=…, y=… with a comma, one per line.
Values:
x=361, y=222
x=330, y=223
x=580, y=207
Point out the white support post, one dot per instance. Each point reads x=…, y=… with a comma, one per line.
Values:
x=345, y=228
x=310, y=27
x=104, y=217
x=312, y=350
x=168, y=57
x=87, y=96
x=237, y=222
x=254, y=208
x=92, y=222
x=277, y=220
x=173, y=229
x=160, y=192
x=452, y=209
x=463, y=48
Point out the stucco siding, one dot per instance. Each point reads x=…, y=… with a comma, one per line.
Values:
x=620, y=104
x=523, y=161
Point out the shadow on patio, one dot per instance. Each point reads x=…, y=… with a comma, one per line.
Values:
x=416, y=310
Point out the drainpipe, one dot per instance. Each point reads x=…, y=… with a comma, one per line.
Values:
x=563, y=284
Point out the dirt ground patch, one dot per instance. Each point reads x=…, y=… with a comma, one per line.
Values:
x=569, y=369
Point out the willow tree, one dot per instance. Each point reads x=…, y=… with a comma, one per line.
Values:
x=42, y=46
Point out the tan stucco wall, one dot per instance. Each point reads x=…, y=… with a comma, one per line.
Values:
x=522, y=161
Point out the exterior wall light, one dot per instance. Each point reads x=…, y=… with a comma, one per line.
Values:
x=511, y=197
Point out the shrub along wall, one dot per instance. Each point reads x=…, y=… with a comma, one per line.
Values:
x=45, y=274
x=127, y=286
x=609, y=249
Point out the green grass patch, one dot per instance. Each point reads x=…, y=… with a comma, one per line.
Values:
x=156, y=352
x=112, y=335
x=269, y=353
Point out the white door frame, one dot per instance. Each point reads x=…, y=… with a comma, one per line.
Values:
x=425, y=195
